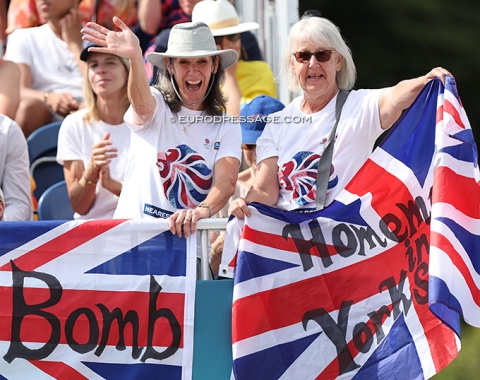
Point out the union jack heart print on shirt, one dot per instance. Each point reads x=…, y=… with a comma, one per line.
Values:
x=185, y=176
x=299, y=175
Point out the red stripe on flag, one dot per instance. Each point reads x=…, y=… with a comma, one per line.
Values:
x=380, y=190
x=58, y=370
x=59, y=245
x=35, y=328
x=441, y=340
x=440, y=112
x=277, y=242
x=442, y=243
x=457, y=190
x=450, y=109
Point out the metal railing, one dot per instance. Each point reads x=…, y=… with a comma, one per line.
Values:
x=204, y=226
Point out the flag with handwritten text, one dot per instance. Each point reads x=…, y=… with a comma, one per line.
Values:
x=371, y=287
x=110, y=299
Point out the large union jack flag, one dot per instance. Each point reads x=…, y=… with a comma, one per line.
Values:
x=371, y=287
x=95, y=300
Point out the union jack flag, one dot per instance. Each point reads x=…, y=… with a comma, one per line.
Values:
x=372, y=286
x=110, y=299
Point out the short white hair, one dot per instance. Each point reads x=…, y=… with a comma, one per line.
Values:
x=323, y=32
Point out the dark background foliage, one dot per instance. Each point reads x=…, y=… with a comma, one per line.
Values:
x=395, y=40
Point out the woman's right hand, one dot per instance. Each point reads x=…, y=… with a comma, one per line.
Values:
x=239, y=208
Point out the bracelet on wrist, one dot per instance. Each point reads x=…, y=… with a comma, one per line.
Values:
x=46, y=94
x=91, y=183
x=207, y=206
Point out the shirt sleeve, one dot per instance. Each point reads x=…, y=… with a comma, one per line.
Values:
x=69, y=147
x=18, y=48
x=231, y=143
x=16, y=183
x=160, y=105
x=267, y=144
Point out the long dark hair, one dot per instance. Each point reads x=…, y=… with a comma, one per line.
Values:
x=214, y=103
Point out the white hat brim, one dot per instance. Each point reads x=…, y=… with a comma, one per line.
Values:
x=240, y=28
x=227, y=57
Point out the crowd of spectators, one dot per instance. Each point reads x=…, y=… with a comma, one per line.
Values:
x=46, y=76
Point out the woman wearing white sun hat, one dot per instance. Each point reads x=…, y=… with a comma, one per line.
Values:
x=180, y=135
x=247, y=79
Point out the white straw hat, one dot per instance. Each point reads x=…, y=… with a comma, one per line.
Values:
x=221, y=17
x=191, y=40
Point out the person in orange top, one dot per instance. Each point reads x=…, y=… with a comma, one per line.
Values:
x=24, y=14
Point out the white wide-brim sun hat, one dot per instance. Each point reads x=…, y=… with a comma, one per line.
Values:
x=221, y=17
x=192, y=40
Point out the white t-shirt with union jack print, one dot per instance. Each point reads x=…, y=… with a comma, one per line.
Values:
x=299, y=139
x=171, y=160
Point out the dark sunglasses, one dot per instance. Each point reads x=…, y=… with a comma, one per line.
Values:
x=320, y=56
x=230, y=37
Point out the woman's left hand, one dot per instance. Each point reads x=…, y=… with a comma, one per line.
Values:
x=108, y=182
x=184, y=222
x=437, y=72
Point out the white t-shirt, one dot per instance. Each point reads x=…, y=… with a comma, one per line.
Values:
x=52, y=65
x=299, y=146
x=171, y=160
x=75, y=141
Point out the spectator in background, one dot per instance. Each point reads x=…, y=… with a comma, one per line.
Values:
x=50, y=67
x=14, y=171
x=9, y=88
x=253, y=118
x=250, y=44
x=93, y=142
x=247, y=79
x=3, y=24
x=24, y=13
x=156, y=19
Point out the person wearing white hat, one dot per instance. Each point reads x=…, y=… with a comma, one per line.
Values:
x=247, y=79
x=184, y=153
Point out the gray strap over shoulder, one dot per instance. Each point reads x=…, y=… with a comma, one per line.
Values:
x=323, y=169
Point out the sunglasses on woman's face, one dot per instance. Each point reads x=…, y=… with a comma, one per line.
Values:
x=306, y=56
x=230, y=37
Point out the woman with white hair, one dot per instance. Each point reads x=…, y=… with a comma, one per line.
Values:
x=184, y=154
x=318, y=62
x=93, y=142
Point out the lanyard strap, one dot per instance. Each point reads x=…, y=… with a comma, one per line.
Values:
x=325, y=162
